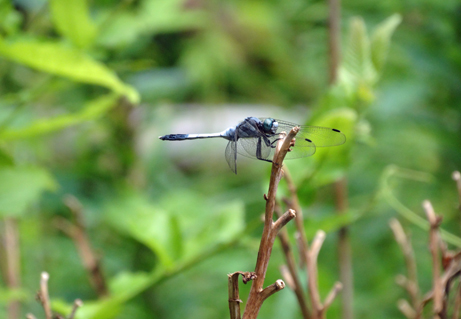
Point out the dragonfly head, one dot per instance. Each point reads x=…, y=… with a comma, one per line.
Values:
x=270, y=126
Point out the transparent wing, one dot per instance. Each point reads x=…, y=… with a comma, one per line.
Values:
x=249, y=146
x=231, y=156
x=309, y=137
x=320, y=136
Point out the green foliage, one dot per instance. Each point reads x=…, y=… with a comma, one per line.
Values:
x=22, y=186
x=169, y=220
x=68, y=62
x=91, y=111
x=72, y=20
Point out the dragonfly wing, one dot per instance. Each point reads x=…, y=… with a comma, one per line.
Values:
x=231, y=156
x=248, y=147
x=320, y=136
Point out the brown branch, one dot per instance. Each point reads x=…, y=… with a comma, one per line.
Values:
x=438, y=292
x=457, y=305
x=77, y=304
x=44, y=298
x=43, y=295
x=337, y=287
x=270, y=290
x=294, y=203
x=457, y=178
x=290, y=274
x=410, y=284
x=234, y=299
x=12, y=258
x=257, y=294
x=310, y=259
x=406, y=309
x=311, y=262
x=78, y=233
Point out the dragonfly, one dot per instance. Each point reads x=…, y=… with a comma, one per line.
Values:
x=257, y=138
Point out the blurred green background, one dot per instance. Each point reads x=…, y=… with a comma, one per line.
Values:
x=86, y=88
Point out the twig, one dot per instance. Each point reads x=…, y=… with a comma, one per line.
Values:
x=457, y=178
x=434, y=221
x=12, y=258
x=290, y=274
x=257, y=294
x=43, y=295
x=234, y=299
x=410, y=284
x=337, y=287
x=77, y=304
x=406, y=309
x=44, y=298
x=77, y=232
x=294, y=204
x=457, y=304
x=311, y=262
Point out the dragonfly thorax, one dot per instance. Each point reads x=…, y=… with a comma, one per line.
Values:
x=270, y=126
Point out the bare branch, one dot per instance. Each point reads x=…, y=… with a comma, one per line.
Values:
x=77, y=304
x=299, y=220
x=457, y=305
x=311, y=262
x=257, y=294
x=234, y=299
x=434, y=221
x=406, y=309
x=337, y=287
x=283, y=220
x=457, y=178
x=78, y=234
x=12, y=258
x=290, y=274
x=44, y=296
x=270, y=290
x=410, y=284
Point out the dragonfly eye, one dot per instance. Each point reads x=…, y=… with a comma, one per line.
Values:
x=270, y=126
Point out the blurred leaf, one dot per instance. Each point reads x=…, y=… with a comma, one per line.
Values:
x=203, y=222
x=332, y=162
x=381, y=40
x=91, y=111
x=56, y=58
x=9, y=295
x=146, y=223
x=10, y=20
x=21, y=186
x=357, y=72
x=331, y=223
x=126, y=285
x=5, y=158
x=71, y=18
x=150, y=18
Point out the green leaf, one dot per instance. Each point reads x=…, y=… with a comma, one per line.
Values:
x=58, y=59
x=357, y=68
x=71, y=18
x=331, y=223
x=5, y=158
x=21, y=186
x=134, y=215
x=127, y=285
x=91, y=111
x=381, y=39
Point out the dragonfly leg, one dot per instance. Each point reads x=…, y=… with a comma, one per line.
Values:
x=258, y=150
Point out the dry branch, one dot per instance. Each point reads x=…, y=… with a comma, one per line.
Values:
x=44, y=298
x=78, y=233
x=257, y=293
